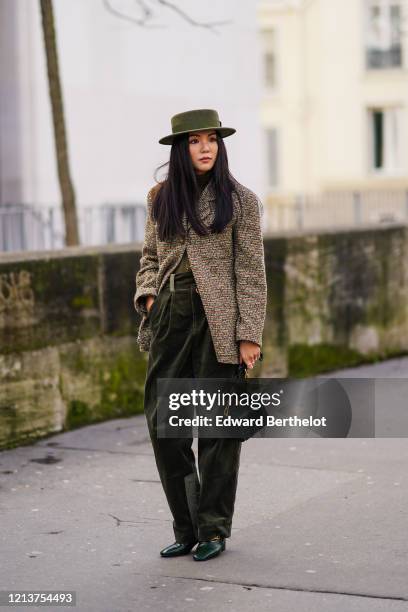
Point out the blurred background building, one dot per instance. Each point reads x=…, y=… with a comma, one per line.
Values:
x=317, y=90
x=121, y=84
x=335, y=111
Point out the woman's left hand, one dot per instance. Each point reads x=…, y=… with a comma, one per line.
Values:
x=249, y=353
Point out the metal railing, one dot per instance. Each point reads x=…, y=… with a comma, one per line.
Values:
x=336, y=209
x=25, y=228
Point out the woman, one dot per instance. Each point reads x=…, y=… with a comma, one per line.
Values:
x=201, y=292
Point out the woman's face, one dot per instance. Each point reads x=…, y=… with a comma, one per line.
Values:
x=203, y=145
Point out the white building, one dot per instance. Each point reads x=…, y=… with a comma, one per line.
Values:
x=335, y=109
x=121, y=85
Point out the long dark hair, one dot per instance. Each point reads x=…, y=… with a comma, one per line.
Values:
x=179, y=192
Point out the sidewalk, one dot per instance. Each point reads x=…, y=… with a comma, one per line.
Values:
x=318, y=525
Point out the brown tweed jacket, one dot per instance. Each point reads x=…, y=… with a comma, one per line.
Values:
x=229, y=271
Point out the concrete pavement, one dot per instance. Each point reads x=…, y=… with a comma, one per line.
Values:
x=318, y=525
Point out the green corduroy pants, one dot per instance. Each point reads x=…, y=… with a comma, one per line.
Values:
x=202, y=504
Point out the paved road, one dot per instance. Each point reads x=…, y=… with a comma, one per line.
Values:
x=319, y=524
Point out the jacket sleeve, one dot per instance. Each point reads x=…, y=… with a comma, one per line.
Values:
x=250, y=276
x=149, y=264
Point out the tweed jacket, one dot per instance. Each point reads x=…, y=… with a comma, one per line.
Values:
x=228, y=268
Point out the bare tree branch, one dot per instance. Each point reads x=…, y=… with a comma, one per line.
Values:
x=148, y=14
x=145, y=8
x=189, y=19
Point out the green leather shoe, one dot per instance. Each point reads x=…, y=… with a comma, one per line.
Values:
x=177, y=549
x=209, y=549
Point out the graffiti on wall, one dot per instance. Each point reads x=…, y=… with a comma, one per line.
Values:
x=16, y=293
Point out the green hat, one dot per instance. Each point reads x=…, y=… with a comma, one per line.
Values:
x=195, y=121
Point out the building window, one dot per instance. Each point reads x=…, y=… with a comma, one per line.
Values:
x=272, y=157
x=383, y=142
x=383, y=36
x=269, y=57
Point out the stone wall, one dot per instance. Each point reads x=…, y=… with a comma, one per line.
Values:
x=68, y=352
x=345, y=297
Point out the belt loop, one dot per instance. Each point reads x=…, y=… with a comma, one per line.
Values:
x=171, y=282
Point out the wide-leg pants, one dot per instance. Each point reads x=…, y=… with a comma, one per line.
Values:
x=182, y=347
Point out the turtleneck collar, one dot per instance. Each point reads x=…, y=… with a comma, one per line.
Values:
x=204, y=179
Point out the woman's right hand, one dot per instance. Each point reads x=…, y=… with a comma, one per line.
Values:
x=149, y=302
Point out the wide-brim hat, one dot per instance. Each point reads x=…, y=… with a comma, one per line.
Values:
x=194, y=121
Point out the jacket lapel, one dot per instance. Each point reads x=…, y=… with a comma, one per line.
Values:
x=206, y=202
x=205, y=205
